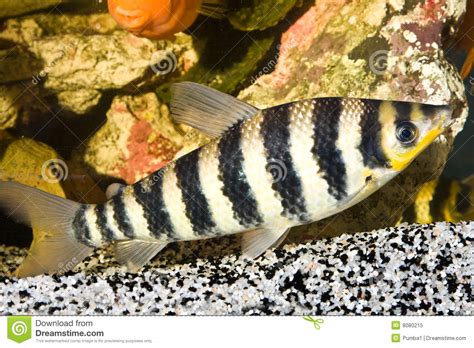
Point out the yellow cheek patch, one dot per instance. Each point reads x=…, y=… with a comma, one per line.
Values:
x=401, y=161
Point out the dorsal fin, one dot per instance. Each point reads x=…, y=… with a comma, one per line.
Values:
x=213, y=8
x=206, y=109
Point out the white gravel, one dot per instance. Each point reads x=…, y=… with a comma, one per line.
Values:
x=417, y=269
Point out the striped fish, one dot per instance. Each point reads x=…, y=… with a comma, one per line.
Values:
x=264, y=172
x=442, y=199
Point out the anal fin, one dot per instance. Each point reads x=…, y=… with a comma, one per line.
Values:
x=136, y=253
x=256, y=242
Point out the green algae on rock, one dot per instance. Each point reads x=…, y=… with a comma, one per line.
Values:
x=242, y=57
x=260, y=15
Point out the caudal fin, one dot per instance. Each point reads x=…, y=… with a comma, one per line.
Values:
x=54, y=248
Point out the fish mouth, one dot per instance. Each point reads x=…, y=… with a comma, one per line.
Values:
x=131, y=19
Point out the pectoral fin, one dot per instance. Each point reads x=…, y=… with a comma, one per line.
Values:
x=136, y=253
x=256, y=242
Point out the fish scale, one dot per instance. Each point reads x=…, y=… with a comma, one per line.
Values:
x=235, y=185
x=282, y=201
x=264, y=172
x=276, y=134
x=149, y=192
x=219, y=204
x=327, y=112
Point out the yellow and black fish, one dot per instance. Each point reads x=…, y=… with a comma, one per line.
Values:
x=442, y=200
x=265, y=172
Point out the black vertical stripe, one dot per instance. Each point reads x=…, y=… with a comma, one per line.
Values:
x=197, y=207
x=430, y=111
x=275, y=132
x=121, y=216
x=235, y=184
x=81, y=228
x=101, y=224
x=149, y=194
x=440, y=197
x=402, y=111
x=370, y=127
x=326, y=114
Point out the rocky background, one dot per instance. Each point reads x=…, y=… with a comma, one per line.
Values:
x=84, y=104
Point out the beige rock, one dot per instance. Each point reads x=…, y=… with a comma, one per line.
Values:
x=10, y=8
x=137, y=139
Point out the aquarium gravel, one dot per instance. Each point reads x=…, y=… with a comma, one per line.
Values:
x=410, y=269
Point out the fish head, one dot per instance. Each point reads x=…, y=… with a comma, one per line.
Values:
x=405, y=130
x=154, y=19
x=133, y=15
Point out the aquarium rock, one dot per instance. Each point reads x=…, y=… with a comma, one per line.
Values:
x=9, y=8
x=87, y=57
x=137, y=139
x=38, y=165
x=260, y=15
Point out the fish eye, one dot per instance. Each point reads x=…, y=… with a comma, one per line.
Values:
x=407, y=133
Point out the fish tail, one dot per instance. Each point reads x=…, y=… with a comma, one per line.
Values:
x=55, y=248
